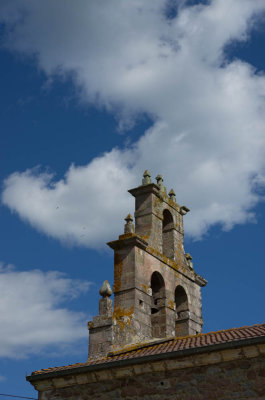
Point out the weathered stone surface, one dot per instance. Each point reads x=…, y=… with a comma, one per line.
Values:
x=151, y=254
x=183, y=379
x=159, y=222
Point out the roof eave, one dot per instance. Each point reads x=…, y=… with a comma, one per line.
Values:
x=152, y=357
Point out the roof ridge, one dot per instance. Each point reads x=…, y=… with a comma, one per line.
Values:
x=151, y=343
x=221, y=330
x=140, y=345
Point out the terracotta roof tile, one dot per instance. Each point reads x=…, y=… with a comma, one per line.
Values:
x=170, y=345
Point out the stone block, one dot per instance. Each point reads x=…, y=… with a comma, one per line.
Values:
x=62, y=382
x=183, y=362
x=122, y=372
x=44, y=385
x=81, y=379
x=208, y=358
x=261, y=348
x=158, y=366
x=231, y=354
x=141, y=369
x=251, y=351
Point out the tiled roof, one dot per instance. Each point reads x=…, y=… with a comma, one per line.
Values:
x=176, y=344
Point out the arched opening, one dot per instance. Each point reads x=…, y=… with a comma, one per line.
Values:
x=181, y=301
x=182, y=311
x=168, y=234
x=158, y=315
x=158, y=291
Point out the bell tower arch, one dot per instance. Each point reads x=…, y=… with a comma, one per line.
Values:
x=158, y=320
x=168, y=235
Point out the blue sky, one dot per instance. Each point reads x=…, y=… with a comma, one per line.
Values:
x=91, y=96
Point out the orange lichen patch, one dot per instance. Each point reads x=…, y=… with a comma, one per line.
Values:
x=118, y=267
x=123, y=317
x=126, y=235
x=171, y=304
x=144, y=237
x=145, y=287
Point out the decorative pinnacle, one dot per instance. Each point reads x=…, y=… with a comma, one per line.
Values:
x=146, y=177
x=105, y=290
x=129, y=227
x=162, y=188
x=129, y=218
x=172, y=195
x=159, y=178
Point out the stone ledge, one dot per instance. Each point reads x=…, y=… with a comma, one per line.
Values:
x=99, y=322
x=200, y=280
x=143, y=189
x=128, y=240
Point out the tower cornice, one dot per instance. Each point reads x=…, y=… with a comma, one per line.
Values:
x=128, y=240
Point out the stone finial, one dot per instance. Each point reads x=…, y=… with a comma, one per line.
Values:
x=105, y=290
x=172, y=195
x=146, y=177
x=129, y=218
x=129, y=227
x=159, y=180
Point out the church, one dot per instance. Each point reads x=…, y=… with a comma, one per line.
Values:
x=149, y=344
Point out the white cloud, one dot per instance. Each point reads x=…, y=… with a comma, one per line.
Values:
x=85, y=208
x=32, y=314
x=208, y=133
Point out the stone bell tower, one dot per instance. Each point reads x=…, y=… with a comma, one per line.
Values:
x=157, y=293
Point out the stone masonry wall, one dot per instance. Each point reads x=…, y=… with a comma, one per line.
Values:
x=239, y=377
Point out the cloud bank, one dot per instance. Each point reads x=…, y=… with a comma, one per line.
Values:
x=208, y=132
x=32, y=315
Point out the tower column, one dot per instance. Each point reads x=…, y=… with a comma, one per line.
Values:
x=101, y=329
